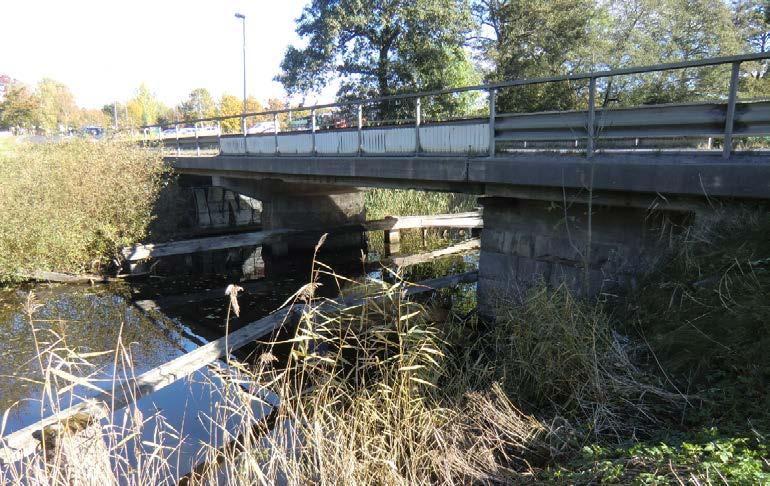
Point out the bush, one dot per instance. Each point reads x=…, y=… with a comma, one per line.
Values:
x=70, y=206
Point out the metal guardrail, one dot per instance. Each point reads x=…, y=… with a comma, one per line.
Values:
x=726, y=120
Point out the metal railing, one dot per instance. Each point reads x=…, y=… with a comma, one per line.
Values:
x=714, y=119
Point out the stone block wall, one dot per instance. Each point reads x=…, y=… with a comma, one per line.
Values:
x=525, y=242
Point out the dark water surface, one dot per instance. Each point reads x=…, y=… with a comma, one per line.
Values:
x=76, y=329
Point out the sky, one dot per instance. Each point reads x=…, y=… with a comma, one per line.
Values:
x=104, y=49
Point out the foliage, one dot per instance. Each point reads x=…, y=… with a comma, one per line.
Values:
x=400, y=202
x=199, y=104
x=706, y=458
x=71, y=206
x=381, y=48
x=57, y=106
x=232, y=105
x=144, y=108
x=516, y=50
x=19, y=108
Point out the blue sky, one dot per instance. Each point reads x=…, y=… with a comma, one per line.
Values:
x=104, y=49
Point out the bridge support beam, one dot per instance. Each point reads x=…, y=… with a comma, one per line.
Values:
x=313, y=207
x=526, y=242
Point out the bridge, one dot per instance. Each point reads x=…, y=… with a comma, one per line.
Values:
x=581, y=197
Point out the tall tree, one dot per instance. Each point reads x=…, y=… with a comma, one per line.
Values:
x=57, y=106
x=199, y=104
x=380, y=47
x=232, y=105
x=659, y=31
x=533, y=38
x=144, y=107
x=19, y=108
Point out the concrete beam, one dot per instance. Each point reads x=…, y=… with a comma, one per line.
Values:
x=745, y=175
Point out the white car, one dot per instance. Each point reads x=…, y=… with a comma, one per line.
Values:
x=264, y=127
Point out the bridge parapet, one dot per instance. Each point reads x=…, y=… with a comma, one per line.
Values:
x=599, y=126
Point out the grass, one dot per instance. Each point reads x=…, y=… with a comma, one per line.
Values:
x=70, y=206
x=407, y=202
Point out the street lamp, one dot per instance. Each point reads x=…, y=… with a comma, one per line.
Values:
x=243, y=118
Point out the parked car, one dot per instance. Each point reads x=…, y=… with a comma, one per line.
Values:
x=264, y=127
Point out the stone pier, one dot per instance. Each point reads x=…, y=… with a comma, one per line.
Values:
x=525, y=242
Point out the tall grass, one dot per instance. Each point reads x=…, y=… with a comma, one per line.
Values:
x=407, y=202
x=70, y=206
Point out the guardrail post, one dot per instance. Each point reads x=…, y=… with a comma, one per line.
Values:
x=360, y=127
x=417, y=122
x=243, y=127
x=730, y=117
x=176, y=131
x=492, y=113
x=275, y=131
x=312, y=129
x=591, y=117
x=197, y=141
x=219, y=135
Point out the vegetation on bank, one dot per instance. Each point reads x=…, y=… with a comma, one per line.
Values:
x=666, y=385
x=381, y=203
x=70, y=206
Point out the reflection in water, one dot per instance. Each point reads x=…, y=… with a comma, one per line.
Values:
x=179, y=308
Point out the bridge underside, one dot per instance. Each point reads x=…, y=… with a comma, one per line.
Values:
x=698, y=174
x=556, y=218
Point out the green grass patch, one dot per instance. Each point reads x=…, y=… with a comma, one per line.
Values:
x=399, y=202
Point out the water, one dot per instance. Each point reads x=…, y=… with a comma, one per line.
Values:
x=157, y=319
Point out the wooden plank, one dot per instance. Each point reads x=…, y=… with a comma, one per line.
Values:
x=140, y=252
x=461, y=220
x=44, y=276
x=426, y=257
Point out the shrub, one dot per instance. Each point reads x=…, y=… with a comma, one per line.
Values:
x=70, y=206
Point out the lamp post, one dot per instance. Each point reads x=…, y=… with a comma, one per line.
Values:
x=243, y=118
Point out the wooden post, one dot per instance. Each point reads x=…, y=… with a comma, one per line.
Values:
x=176, y=131
x=312, y=129
x=417, y=122
x=360, y=127
x=392, y=241
x=591, y=117
x=730, y=117
x=492, y=113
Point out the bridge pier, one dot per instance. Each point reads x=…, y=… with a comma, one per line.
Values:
x=313, y=207
x=526, y=242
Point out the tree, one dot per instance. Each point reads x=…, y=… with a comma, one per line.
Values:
x=199, y=104
x=380, y=47
x=144, y=108
x=533, y=38
x=19, y=108
x=660, y=31
x=752, y=19
x=232, y=105
x=57, y=106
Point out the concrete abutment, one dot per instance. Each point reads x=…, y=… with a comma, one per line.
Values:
x=526, y=242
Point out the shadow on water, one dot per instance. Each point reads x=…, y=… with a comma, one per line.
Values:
x=180, y=307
